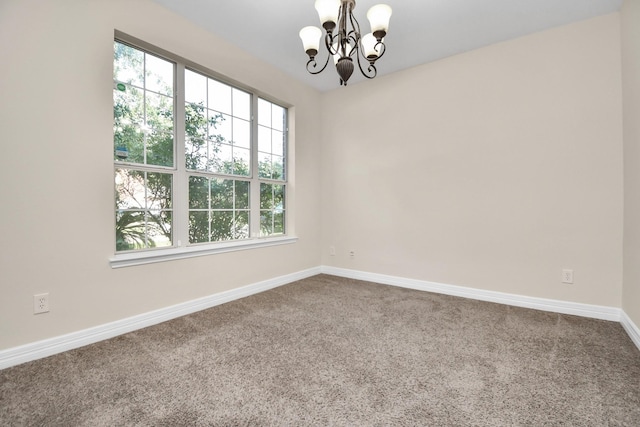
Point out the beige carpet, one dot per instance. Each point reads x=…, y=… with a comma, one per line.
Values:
x=333, y=351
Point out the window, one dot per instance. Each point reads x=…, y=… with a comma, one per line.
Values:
x=200, y=161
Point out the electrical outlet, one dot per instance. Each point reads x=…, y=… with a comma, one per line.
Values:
x=40, y=303
x=567, y=276
x=332, y=250
x=352, y=254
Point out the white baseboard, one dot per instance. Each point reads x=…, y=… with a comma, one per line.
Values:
x=564, y=307
x=39, y=349
x=631, y=328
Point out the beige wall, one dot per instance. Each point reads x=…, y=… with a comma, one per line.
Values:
x=56, y=168
x=493, y=169
x=631, y=101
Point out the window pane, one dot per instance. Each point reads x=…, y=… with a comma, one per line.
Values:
x=266, y=196
x=219, y=96
x=128, y=105
x=222, y=226
x=242, y=194
x=159, y=130
x=143, y=230
x=198, y=192
x=160, y=149
x=278, y=222
x=278, y=197
x=159, y=112
x=159, y=75
x=241, y=133
x=277, y=142
x=159, y=190
x=241, y=161
x=277, y=167
x=159, y=225
x=264, y=112
x=221, y=194
x=241, y=225
x=128, y=117
x=130, y=230
x=198, y=227
x=266, y=223
x=264, y=166
x=195, y=121
x=128, y=64
x=221, y=160
x=264, y=139
x=130, y=189
x=195, y=88
x=219, y=127
x=241, y=104
x=196, y=154
x=277, y=117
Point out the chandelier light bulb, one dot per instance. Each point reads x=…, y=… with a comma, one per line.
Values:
x=369, y=44
x=310, y=37
x=328, y=11
x=378, y=17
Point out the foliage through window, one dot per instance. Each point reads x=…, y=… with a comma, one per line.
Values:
x=230, y=184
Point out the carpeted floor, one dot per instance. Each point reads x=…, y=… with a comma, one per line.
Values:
x=334, y=351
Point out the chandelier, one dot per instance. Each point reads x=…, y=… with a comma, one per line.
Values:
x=347, y=42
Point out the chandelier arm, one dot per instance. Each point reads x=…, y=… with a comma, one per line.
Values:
x=354, y=24
x=371, y=72
x=383, y=49
x=356, y=42
x=328, y=42
x=355, y=34
x=314, y=64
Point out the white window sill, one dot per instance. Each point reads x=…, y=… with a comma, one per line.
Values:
x=161, y=255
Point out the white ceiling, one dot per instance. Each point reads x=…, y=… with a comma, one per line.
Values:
x=420, y=31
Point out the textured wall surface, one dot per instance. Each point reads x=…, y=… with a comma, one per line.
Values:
x=493, y=169
x=631, y=96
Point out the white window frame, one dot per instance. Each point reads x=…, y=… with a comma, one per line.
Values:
x=180, y=248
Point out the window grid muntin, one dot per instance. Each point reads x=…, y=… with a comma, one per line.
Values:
x=268, y=127
x=230, y=115
x=272, y=210
x=147, y=211
x=211, y=210
x=144, y=126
